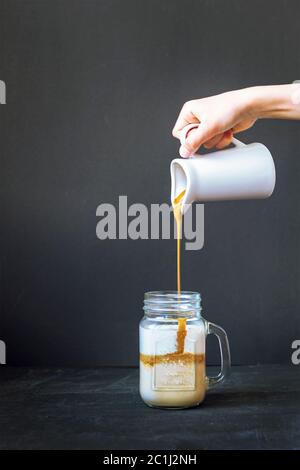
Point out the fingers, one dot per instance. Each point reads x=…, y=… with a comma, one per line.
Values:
x=209, y=144
x=194, y=140
x=185, y=117
x=226, y=140
x=217, y=119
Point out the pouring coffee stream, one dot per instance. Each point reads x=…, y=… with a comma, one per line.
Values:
x=177, y=209
x=179, y=354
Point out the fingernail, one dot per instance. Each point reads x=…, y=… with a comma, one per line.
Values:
x=183, y=152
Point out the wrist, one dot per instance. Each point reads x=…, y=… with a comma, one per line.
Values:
x=274, y=101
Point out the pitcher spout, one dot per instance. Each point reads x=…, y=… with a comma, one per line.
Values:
x=180, y=181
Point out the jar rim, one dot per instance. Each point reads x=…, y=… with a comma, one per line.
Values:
x=172, y=294
x=170, y=302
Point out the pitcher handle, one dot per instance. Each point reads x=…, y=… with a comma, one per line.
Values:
x=216, y=330
x=185, y=131
x=238, y=143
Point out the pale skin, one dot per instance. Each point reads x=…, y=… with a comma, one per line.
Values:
x=221, y=116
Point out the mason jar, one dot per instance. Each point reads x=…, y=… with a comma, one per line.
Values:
x=172, y=337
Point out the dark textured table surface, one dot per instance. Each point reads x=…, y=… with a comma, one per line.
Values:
x=100, y=408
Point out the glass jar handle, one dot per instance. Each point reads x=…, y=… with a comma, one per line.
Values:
x=216, y=330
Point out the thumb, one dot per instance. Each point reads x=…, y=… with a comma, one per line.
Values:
x=194, y=138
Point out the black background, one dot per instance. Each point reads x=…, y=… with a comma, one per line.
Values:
x=93, y=90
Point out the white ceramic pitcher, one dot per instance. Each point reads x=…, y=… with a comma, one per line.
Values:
x=243, y=172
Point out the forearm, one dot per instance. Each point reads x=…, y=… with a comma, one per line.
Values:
x=274, y=101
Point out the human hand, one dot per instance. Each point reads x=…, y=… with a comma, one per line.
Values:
x=220, y=116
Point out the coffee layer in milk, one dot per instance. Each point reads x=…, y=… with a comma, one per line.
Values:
x=169, y=377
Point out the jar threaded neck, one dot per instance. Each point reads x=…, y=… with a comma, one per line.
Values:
x=172, y=303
